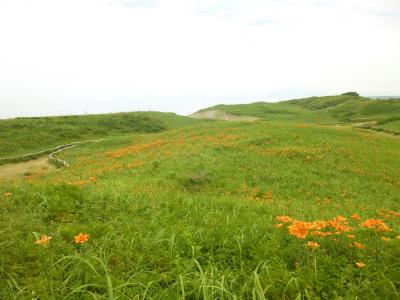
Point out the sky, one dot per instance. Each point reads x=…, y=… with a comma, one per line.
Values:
x=62, y=57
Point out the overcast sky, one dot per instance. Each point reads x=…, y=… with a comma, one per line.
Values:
x=71, y=56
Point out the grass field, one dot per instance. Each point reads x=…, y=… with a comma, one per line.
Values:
x=279, y=208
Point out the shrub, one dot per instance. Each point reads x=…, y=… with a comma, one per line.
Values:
x=195, y=181
x=355, y=94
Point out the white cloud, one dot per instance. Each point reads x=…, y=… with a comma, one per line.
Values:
x=180, y=55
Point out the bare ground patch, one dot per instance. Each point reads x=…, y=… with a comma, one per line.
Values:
x=32, y=167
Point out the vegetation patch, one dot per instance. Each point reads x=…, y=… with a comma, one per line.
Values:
x=196, y=181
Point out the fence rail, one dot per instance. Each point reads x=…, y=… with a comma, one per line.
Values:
x=50, y=152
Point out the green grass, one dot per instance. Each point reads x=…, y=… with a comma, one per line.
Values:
x=189, y=214
x=25, y=135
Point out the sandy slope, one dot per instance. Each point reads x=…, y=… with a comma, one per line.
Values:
x=221, y=115
x=36, y=166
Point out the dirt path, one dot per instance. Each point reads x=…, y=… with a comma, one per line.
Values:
x=32, y=167
x=38, y=164
x=221, y=115
x=359, y=127
x=50, y=152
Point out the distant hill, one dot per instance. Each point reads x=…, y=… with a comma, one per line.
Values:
x=351, y=108
x=328, y=109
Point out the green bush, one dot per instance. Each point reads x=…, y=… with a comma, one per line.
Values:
x=355, y=94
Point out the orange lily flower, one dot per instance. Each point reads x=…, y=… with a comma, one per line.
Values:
x=284, y=219
x=360, y=265
x=44, y=240
x=359, y=245
x=376, y=224
x=81, y=238
x=313, y=245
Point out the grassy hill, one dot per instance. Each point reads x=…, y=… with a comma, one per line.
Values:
x=23, y=135
x=329, y=109
x=278, y=208
x=352, y=108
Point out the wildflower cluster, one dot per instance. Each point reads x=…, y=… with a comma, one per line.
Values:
x=376, y=224
x=307, y=154
x=135, y=149
x=302, y=229
x=81, y=238
x=335, y=227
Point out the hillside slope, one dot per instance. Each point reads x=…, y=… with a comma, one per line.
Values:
x=351, y=108
x=329, y=109
x=24, y=135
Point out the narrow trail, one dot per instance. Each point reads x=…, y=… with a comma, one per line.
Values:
x=359, y=128
x=50, y=152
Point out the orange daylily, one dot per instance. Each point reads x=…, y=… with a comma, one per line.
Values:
x=134, y=149
x=313, y=245
x=317, y=225
x=340, y=225
x=300, y=229
x=351, y=236
x=376, y=224
x=360, y=265
x=359, y=245
x=280, y=225
x=385, y=239
x=44, y=240
x=356, y=217
x=340, y=219
x=394, y=213
x=81, y=238
x=390, y=212
x=321, y=233
x=284, y=219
